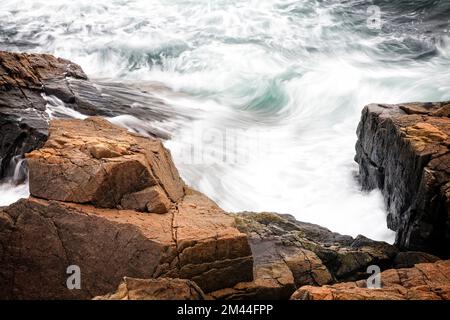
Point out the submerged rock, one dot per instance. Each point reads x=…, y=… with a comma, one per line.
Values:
x=404, y=150
x=425, y=281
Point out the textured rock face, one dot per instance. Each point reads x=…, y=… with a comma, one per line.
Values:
x=92, y=167
x=404, y=151
x=93, y=161
x=40, y=239
x=32, y=71
x=23, y=77
x=425, y=281
x=155, y=289
x=289, y=254
x=28, y=84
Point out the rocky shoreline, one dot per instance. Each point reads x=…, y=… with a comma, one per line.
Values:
x=31, y=83
x=404, y=150
x=112, y=203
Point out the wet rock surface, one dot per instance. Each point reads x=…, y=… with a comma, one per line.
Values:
x=35, y=88
x=78, y=220
x=404, y=151
x=93, y=161
x=289, y=254
x=23, y=121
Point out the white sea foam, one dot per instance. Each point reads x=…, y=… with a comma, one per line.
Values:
x=10, y=193
x=56, y=108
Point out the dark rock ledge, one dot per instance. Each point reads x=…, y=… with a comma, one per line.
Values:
x=113, y=203
x=404, y=150
x=28, y=80
x=23, y=122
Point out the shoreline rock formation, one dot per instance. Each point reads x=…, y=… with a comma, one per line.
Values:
x=75, y=217
x=404, y=150
x=31, y=83
x=23, y=77
x=80, y=182
x=424, y=281
x=289, y=254
x=112, y=203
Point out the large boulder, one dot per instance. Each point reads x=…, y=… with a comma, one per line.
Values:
x=82, y=176
x=425, y=281
x=404, y=151
x=155, y=289
x=93, y=161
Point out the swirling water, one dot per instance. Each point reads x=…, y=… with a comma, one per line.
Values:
x=273, y=88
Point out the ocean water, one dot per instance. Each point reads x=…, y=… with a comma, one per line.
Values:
x=273, y=89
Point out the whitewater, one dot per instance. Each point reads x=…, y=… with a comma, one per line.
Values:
x=272, y=90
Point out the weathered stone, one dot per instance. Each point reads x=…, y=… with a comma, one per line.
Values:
x=23, y=121
x=33, y=70
x=152, y=199
x=158, y=201
x=289, y=254
x=155, y=289
x=273, y=281
x=40, y=239
x=425, y=281
x=225, y=258
x=29, y=81
x=93, y=161
x=404, y=151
